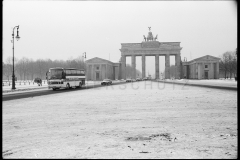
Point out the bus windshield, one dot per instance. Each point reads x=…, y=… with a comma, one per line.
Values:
x=55, y=74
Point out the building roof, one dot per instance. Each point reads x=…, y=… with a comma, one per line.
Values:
x=206, y=58
x=98, y=60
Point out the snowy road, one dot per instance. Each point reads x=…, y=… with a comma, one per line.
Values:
x=133, y=120
x=28, y=91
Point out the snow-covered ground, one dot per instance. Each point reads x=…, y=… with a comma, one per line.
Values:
x=31, y=86
x=131, y=120
x=211, y=82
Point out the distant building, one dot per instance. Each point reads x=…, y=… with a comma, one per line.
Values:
x=206, y=67
x=99, y=69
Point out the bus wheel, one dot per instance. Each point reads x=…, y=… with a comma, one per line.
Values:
x=68, y=86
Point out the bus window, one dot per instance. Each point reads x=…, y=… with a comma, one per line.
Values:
x=64, y=74
x=68, y=72
x=56, y=73
x=73, y=71
x=78, y=72
x=82, y=72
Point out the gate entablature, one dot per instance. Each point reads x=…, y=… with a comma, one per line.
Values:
x=155, y=47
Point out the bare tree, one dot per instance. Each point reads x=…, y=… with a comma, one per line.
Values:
x=31, y=68
x=223, y=65
x=228, y=63
x=23, y=67
x=232, y=64
x=8, y=69
x=40, y=68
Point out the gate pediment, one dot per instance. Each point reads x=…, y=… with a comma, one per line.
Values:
x=98, y=60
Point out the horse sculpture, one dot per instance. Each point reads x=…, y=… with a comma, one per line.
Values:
x=149, y=38
x=155, y=38
x=144, y=37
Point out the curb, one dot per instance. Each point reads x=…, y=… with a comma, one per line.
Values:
x=200, y=85
x=26, y=89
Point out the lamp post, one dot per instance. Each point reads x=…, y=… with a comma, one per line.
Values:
x=84, y=56
x=17, y=37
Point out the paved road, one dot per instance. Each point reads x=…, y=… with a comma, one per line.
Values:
x=219, y=84
x=33, y=92
x=46, y=91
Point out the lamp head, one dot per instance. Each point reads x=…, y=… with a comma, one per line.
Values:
x=17, y=37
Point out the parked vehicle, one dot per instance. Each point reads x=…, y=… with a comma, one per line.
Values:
x=138, y=79
x=128, y=80
x=38, y=81
x=106, y=82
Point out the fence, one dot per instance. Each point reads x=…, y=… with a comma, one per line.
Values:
x=26, y=82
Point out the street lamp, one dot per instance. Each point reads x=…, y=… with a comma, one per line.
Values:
x=84, y=56
x=17, y=37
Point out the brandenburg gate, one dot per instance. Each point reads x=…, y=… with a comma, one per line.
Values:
x=150, y=47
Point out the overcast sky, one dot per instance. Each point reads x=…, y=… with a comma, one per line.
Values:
x=66, y=29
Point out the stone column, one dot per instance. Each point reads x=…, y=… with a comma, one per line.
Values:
x=143, y=66
x=92, y=77
x=211, y=71
x=119, y=71
x=134, y=66
x=199, y=71
x=167, y=66
x=203, y=72
x=100, y=73
x=177, y=64
x=123, y=70
x=114, y=77
x=106, y=73
x=157, y=66
x=194, y=71
x=217, y=70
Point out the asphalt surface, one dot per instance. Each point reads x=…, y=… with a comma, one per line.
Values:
x=33, y=92
x=45, y=91
x=201, y=84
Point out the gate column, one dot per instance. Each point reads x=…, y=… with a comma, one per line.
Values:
x=177, y=64
x=157, y=66
x=134, y=67
x=217, y=70
x=123, y=65
x=143, y=66
x=167, y=66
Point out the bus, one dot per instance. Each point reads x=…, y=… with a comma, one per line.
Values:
x=65, y=78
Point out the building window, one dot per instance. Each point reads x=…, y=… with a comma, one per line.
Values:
x=97, y=68
x=206, y=66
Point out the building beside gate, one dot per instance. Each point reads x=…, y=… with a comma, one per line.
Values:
x=206, y=67
x=98, y=69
